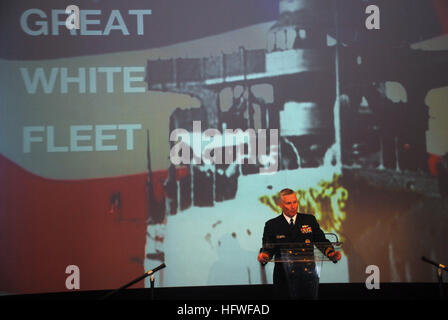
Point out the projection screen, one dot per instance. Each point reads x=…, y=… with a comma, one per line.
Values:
x=135, y=133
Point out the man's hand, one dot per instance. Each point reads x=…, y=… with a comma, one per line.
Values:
x=335, y=256
x=263, y=257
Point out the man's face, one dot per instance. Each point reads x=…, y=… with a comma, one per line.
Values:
x=289, y=204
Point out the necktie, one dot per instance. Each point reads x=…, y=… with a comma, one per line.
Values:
x=291, y=222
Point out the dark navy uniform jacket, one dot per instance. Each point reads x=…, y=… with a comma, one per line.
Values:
x=278, y=231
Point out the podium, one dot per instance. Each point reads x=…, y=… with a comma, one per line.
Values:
x=301, y=265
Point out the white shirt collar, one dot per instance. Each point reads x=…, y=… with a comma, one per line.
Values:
x=288, y=219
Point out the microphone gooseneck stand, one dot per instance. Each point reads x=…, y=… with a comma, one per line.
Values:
x=149, y=273
x=151, y=279
x=440, y=269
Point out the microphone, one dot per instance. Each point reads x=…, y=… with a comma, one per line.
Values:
x=440, y=266
x=146, y=274
x=150, y=272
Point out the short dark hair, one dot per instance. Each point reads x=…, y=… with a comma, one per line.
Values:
x=285, y=192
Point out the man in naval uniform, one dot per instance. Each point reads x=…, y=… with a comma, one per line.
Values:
x=294, y=280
